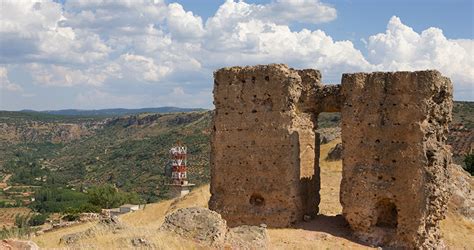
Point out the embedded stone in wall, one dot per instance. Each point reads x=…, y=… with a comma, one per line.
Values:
x=264, y=154
x=394, y=189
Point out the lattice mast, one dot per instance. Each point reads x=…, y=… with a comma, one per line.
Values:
x=178, y=156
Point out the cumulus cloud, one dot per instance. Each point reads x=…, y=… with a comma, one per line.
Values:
x=5, y=83
x=63, y=76
x=144, y=67
x=30, y=31
x=94, y=44
x=401, y=48
x=182, y=24
x=278, y=11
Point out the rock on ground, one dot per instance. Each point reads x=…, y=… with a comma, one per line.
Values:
x=141, y=242
x=327, y=135
x=462, y=199
x=208, y=228
x=247, y=237
x=111, y=223
x=335, y=153
x=12, y=244
x=197, y=223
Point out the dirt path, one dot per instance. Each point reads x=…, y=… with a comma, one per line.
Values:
x=3, y=183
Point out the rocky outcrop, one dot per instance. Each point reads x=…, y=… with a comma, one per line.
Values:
x=335, y=154
x=462, y=185
x=247, y=237
x=196, y=223
x=327, y=135
x=209, y=229
x=12, y=244
x=36, y=131
x=109, y=223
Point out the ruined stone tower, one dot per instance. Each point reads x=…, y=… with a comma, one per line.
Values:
x=263, y=146
x=394, y=189
x=264, y=161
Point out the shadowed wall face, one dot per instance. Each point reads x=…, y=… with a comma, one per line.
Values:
x=394, y=186
x=263, y=146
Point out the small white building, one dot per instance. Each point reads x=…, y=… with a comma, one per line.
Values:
x=127, y=208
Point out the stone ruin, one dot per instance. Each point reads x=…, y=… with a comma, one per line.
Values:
x=265, y=153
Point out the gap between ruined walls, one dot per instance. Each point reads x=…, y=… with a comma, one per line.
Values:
x=265, y=153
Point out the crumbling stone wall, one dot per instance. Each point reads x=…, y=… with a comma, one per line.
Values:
x=394, y=189
x=264, y=159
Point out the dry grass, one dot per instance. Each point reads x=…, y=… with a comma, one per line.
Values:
x=141, y=224
x=7, y=215
x=325, y=232
x=331, y=176
x=458, y=232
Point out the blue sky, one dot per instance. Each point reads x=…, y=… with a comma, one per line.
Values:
x=146, y=53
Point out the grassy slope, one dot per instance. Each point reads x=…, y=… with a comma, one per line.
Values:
x=463, y=112
x=325, y=232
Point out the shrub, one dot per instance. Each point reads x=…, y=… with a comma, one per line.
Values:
x=38, y=219
x=71, y=217
x=469, y=163
x=107, y=196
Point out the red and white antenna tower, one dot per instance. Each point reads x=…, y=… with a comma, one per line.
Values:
x=178, y=163
x=179, y=179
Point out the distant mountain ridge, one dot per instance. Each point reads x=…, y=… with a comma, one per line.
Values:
x=115, y=111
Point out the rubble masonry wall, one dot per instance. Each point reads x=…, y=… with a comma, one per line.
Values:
x=264, y=159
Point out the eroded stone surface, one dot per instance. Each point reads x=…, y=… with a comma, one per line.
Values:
x=462, y=186
x=335, y=153
x=247, y=237
x=394, y=189
x=208, y=228
x=197, y=223
x=264, y=160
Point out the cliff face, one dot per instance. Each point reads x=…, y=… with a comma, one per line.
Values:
x=67, y=129
x=34, y=131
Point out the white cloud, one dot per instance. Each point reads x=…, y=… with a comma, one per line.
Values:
x=58, y=75
x=278, y=11
x=258, y=42
x=6, y=84
x=303, y=11
x=144, y=67
x=31, y=31
x=100, y=44
x=401, y=48
x=182, y=24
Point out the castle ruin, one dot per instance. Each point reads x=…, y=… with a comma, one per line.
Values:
x=265, y=152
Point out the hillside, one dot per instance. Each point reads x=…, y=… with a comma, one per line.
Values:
x=327, y=231
x=116, y=112
x=129, y=151
x=132, y=151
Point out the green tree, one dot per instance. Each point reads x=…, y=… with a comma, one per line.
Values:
x=108, y=196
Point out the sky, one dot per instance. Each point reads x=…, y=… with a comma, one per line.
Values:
x=93, y=54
